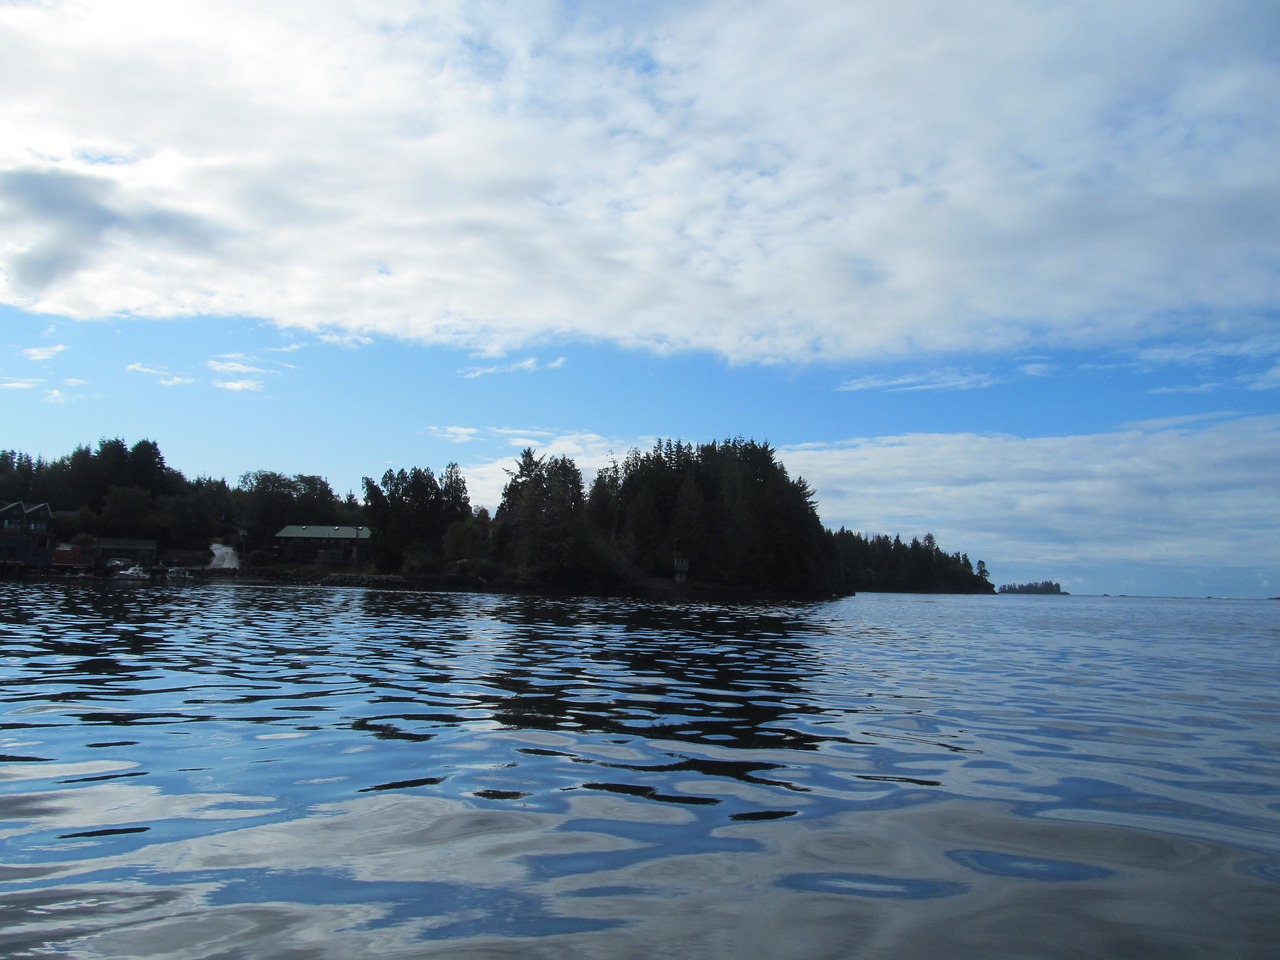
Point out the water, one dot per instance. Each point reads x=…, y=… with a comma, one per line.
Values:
x=218, y=771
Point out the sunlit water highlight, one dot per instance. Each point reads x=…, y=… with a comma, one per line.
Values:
x=234, y=771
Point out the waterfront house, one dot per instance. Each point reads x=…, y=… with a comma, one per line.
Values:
x=26, y=534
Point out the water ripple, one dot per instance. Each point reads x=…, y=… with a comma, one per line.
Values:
x=443, y=768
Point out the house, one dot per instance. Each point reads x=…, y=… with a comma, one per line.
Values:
x=322, y=543
x=26, y=534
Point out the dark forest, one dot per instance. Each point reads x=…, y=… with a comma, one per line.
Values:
x=726, y=512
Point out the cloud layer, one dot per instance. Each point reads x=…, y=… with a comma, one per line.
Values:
x=1152, y=494
x=764, y=181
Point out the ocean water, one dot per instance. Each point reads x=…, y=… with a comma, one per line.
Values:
x=233, y=771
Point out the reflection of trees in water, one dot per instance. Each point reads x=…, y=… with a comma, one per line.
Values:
x=593, y=670
x=727, y=677
x=406, y=666
x=624, y=673
x=87, y=643
x=418, y=655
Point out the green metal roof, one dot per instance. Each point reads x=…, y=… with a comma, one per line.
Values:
x=322, y=531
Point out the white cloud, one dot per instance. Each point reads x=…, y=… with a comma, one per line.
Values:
x=1181, y=420
x=44, y=353
x=233, y=366
x=1260, y=346
x=863, y=180
x=1187, y=388
x=929, y=380
x=527, y=365
x=239, y=386
x=349, y=340
x=454, y=434
x=1268, y=380
x=19, y=383
x=163, y=376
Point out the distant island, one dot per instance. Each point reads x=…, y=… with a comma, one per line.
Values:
x=713, y=519
x=1044, y=586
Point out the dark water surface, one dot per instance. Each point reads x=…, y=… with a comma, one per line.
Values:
x=231, y=771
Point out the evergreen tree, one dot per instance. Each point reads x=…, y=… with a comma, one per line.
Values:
x=407, y=520
x=542, y=518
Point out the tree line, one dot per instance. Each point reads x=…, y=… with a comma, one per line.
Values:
x=888, y=565
x=1044, y=586
x=118, y=490
x=727, y=511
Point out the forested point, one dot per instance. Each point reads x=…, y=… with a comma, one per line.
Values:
x=722, y=514
x=1044, y=586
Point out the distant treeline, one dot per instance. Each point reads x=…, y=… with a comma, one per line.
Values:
x=887, y=565
x=728, y=511
x=1044, y=586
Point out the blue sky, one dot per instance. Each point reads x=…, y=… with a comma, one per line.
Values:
x=1009, y=274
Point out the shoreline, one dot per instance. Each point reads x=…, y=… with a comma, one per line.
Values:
x=647, y=589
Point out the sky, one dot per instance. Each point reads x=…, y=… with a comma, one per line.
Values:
x=1005, y=272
